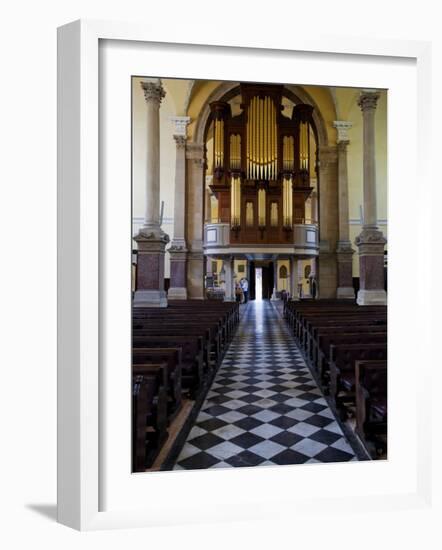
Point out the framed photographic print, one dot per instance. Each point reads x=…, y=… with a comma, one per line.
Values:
x=223, y=221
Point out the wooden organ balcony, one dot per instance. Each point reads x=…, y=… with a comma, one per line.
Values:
x=262, y=164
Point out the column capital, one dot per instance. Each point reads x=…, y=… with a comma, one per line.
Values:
x=180, y=141
x=342, y=128
x=342, y=146
x=153, y=91
x=180, y=124
x=368, y=100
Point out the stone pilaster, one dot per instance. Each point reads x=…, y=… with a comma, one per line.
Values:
x=178, y=249
x=194, y=221
x=344, y=250
x=328, y=223
x=151, y=240
x=371, y=241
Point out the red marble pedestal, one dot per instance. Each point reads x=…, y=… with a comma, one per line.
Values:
x=150, y=270
x=371, y=245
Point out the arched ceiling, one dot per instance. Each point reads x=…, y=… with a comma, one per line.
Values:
x=333, y=103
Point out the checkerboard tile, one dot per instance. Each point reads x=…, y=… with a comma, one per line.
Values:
x=264, y=407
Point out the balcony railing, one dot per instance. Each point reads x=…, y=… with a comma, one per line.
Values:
x=219, y=236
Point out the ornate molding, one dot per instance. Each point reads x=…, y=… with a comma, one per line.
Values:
x=180, y=141
x=368, y=100
x=370, y=236
x=180, y=124
x=342, y=146
x=150, y=235
x=344, y=248
x=153, y=91
x=371, y=242
x=177, y=248
x=342, y=128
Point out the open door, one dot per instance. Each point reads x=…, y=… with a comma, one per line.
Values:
x=267, y=281
x=252, y=285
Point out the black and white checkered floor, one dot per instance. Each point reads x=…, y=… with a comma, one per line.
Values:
x=264, y=407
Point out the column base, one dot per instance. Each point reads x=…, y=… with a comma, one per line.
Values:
x=177, y=293
x=150, y=298
x=274, y=298
x=372, y=298
x=345, y=293
x=295, y=299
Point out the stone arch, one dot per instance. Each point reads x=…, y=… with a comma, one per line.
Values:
x=326, y=181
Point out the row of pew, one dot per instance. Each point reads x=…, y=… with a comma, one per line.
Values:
x=346, y=346
x=175, y=354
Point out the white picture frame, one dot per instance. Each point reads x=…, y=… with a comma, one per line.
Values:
x=83, y=298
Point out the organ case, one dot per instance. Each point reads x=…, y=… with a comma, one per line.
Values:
x=262, y=161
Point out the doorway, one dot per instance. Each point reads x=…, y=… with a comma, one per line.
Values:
x=263, y=280
x=258, y=284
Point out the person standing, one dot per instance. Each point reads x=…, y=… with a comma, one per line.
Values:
x=245, y=288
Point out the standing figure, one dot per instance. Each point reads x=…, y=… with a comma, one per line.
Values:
x=245, y=288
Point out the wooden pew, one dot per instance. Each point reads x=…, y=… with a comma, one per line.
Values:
x=191, y=356
x=327, y=340
x=171, y=357
x=371, y=404
x=314, y=340
x=342, y=363
x=149, y=414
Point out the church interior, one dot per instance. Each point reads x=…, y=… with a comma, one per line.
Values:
x=259, y=274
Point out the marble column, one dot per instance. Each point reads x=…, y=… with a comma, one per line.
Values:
x=294, y=291
x=151, y=239
x=371, y=241
x=344, y=251
x=228, y=279
x=178, y=249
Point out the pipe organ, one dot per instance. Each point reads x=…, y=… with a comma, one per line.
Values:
x=262, y=163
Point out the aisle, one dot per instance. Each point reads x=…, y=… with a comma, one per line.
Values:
x=264, y=407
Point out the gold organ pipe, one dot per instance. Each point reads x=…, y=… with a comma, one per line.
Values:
x=264, y=144
x=219, y=142
x=269, y=140
x=254, y=138
x=248, y=140
x=253, y=141
x=260, y=151
x=271, y=175
x=266, y=129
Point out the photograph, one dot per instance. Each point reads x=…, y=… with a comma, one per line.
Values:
x=259, y=274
